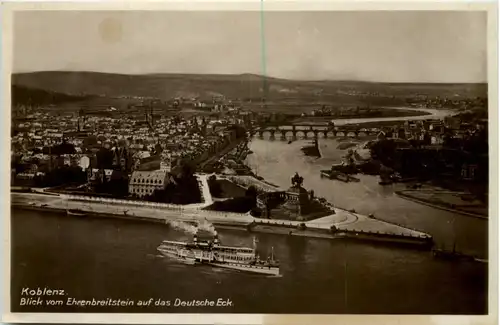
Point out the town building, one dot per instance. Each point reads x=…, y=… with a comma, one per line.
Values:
x=95, y=175
x=144, y=183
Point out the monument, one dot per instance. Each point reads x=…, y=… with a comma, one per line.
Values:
x=297, y=198
x=296, y=203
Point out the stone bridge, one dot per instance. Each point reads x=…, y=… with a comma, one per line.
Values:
x=312, y=131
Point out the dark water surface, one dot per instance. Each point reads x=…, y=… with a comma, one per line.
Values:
x=108, y=258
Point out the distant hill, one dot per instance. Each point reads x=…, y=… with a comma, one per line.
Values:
x=163, y=86
x=22, y=95
x=166, y=86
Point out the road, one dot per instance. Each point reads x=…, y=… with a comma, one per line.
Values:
x=222, y=153
x=342, y=219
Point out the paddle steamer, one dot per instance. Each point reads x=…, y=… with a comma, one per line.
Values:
x=211, y=252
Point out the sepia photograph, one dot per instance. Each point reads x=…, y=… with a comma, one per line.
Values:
x=250, y=162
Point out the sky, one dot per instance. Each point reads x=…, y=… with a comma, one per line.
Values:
x=404, y=46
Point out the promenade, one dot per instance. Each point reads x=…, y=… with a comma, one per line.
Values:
x=344, y=221
x=351, y=222
x=141, y=212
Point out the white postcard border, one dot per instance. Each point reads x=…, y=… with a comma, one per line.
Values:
x=7, y=16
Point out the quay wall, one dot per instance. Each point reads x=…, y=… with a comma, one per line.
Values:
x=224, y=220
x=131, y=208
x=357, y=236
x=350, y=233
x=220, y=224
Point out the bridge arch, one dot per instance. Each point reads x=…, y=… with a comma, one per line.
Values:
x=301, y=134
x=284, y=132
x=266, y=133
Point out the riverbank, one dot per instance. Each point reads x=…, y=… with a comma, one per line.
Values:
x=125, y=216
x=263, y=226
x=383, y=112
x=445, y=200
x=346, y=224
x=428, y=113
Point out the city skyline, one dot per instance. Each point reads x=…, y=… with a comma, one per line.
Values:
x=372, y=48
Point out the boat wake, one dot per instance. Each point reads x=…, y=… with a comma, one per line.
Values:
x=222, y=271
x=216, y=270
x=166, y=258
x=176, y=263
x=203, y=225
x=481, y=260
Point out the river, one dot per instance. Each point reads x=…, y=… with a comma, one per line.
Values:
x=111, y=258
x=432, y=114
x=277, y=161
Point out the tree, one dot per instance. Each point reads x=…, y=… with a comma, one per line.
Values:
x=255, y=212
x=104, y=158
x=187, y=168
x=158, y=149
x=215, y=188
x=63, y=149
x=383, y=150
x=251, y=192
x=90, y=141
